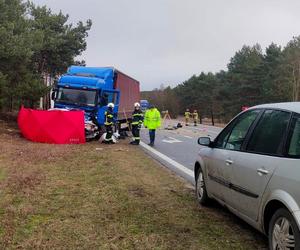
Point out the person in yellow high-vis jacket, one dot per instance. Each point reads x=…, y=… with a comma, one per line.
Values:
x=152, y=121
x=187, y=117
x=195, y=116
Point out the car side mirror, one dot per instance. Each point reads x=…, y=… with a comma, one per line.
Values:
x=204, y=141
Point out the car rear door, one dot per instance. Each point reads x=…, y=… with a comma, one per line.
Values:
x=254, y=166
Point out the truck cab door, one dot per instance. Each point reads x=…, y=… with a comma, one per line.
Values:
x=105, y=97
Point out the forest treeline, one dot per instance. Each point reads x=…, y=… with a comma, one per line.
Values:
x=35, y=43
x=252, y=77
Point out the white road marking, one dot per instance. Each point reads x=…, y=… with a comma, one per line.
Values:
x=172, y=140
x=186, y=136
x=169, y=160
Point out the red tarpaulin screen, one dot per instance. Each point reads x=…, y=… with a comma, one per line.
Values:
x=59, y=127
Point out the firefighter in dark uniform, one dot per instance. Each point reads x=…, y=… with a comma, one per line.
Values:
x=137, y=121
x=109, y=122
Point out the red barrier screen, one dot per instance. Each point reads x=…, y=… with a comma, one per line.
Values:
x=58, y=127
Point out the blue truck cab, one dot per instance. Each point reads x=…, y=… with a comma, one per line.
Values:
x=89, y=89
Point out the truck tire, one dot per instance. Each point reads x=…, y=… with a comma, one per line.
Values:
x=283, y=231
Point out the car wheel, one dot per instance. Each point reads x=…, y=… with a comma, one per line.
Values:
x=283, y=231
x=201, y=188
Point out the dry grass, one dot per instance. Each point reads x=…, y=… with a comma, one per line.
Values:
x=115, y=197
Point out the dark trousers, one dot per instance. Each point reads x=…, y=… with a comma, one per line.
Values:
x=136, y=133
x=152, y=135
x=109, y=133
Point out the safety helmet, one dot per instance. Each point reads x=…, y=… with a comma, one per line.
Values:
x=111, y=105
x=137, y=105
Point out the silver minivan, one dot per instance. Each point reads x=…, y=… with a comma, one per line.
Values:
x=253, y=168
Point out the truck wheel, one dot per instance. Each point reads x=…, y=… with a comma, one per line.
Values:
x=201, y=192
x=283, y=231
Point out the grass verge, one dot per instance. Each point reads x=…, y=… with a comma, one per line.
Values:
x=97, y=196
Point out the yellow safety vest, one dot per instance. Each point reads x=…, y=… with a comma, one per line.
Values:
x=152, y=119
x=187, y=114
x=195, y=115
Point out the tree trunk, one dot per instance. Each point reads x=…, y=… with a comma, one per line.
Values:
x=47, y=98
x=11, y=103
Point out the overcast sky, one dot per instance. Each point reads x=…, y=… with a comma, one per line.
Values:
x=167, y=41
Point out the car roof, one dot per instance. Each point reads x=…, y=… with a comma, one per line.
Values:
x=291, y=106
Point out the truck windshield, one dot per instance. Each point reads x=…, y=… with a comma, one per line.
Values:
x=77, y=96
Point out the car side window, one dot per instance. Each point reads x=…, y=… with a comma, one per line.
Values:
x=240, y=130
x=294, y=145
x=268, y=134
x=233, y=136
x=223, y=137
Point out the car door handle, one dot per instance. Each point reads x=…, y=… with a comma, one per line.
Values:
x=262, y=171
x=229, y=162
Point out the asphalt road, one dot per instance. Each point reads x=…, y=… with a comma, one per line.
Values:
x=179, y=146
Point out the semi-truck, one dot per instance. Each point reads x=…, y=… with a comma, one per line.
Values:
x=91, y=88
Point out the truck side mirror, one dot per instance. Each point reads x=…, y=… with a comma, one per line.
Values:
x=53, y=94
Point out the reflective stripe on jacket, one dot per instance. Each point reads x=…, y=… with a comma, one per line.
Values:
x=137, y=117
x=152, y=119
x=109, y=118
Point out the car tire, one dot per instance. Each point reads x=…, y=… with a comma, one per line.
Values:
x=283, y=231
x=201, y=191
